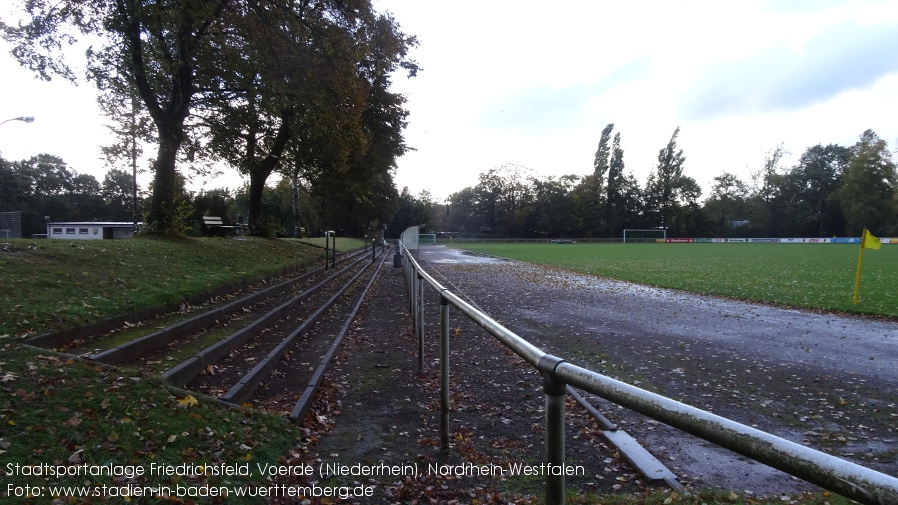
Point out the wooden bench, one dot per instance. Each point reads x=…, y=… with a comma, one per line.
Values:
x=214, y=227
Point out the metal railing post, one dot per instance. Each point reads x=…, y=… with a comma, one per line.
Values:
x=444, y=374
x=555, y=393
x=410, y=284
x=419, y=327
x=327, y=242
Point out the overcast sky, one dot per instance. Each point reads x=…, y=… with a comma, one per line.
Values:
x=533, y=83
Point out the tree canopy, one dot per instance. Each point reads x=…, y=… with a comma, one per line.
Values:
x=236, y=80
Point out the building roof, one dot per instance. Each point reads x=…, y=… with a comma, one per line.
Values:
x=91, y=223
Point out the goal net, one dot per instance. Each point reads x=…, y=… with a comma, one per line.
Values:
x=11, y=224
x=644, y=235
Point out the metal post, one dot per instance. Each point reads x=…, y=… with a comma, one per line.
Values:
x=419, y=312
x=327, y=242
x=555, y=392
x=444, y=374
x=373, y=250
x=415, y=281
x=409, y=283
x=419, y=323
x=412, y=291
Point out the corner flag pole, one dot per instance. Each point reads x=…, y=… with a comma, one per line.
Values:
x=860, y=261
x=868, y=241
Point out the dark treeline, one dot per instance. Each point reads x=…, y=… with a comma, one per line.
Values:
x=832, y=191
x=45, y=187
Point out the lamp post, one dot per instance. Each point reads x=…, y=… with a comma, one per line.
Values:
x=27, y=119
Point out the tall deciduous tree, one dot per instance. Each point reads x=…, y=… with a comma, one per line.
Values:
x=767, y=187
x=867, y=194
x=726, y=203
x=591, y=192
x=809, y=189
x=154, y=46
x=463, y=212
x=553, y=211
x=412, y=211
x=275, y=68
x=366, y=179
x=603, y=152
x=615, y=200
x=664, y=184
x=118, y=194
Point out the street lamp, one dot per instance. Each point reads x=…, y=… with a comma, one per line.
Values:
x=27, y=119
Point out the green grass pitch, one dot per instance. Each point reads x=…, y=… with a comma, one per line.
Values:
x=816, y=276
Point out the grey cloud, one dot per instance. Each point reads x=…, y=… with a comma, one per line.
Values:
x=540, y=109
x=845, y=57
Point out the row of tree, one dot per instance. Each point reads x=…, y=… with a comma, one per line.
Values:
x=832, y=190
x=45, y=187
x=295, y=86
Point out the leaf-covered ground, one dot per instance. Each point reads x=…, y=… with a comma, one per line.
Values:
x=62, y=412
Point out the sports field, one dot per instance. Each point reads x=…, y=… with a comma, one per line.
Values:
x=817, y=276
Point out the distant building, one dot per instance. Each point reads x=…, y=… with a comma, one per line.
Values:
x=90, y=230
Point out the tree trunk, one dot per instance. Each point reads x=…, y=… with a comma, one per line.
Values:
x=257, y=180
x=260, y=170
x=161, y=216
x=297, y=215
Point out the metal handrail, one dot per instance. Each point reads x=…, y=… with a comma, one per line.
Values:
x=849, y=479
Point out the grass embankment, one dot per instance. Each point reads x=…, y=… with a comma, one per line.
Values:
x=815, y=276
x=48, y=285
x=61, y=411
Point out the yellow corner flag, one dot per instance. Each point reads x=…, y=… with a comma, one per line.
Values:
x=868, y=241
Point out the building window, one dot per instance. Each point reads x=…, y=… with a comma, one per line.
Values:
x=57, y=230
x=82, y=231
x=69, y=231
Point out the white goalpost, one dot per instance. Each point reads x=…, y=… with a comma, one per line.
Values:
x=646, y=233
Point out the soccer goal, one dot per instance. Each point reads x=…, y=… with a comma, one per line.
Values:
x=642, y=235
x=427, y=238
